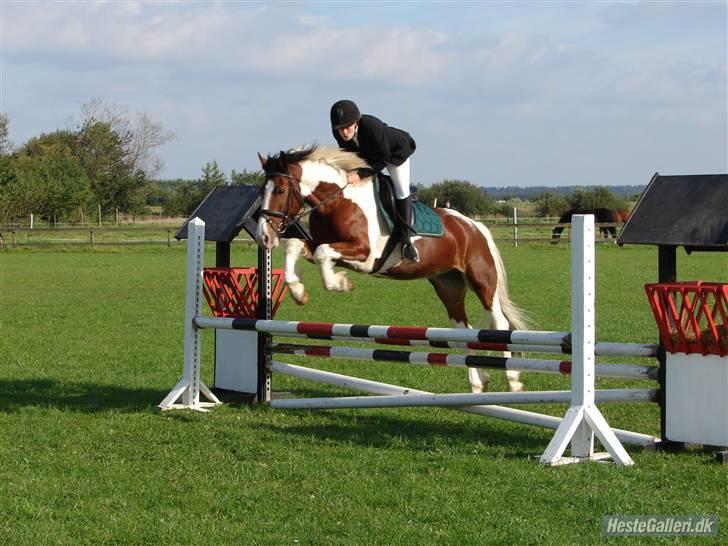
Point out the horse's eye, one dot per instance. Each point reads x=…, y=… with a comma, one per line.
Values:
x=279, y=190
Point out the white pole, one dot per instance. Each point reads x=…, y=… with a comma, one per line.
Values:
x=459, y=399
x=583, y=419
x=191, y=385
x=31, y=220
x=515, y=226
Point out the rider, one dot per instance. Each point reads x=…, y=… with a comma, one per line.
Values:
x=380, y=146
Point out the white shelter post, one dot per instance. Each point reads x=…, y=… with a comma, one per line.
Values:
x=191, y=385
x=583, y=419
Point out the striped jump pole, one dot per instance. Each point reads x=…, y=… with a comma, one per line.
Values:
x=468, y=338
x=515, y=415
x=636, y=350
x=563, y=367
x=370, y=331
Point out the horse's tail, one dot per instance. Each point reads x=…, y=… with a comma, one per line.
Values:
x=516, y=316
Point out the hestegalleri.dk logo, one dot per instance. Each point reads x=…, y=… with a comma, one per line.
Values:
x=625, y=525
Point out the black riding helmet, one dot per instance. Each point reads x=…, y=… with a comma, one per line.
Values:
x=343, y=114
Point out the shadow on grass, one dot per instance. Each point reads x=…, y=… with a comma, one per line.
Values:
x=69, y=396
x=413, y=431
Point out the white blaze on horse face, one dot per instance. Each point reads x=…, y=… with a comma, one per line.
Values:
x=264, y=235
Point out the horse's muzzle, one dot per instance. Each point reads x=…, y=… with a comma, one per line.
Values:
x=265, y=236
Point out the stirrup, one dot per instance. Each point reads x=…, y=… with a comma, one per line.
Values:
x=409, y=252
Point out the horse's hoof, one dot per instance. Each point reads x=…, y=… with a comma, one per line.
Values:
x=299, y=293
x=515, y=386
x=343, y=283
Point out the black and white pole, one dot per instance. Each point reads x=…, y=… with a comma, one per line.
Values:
x=186, y=394
x=583, y=419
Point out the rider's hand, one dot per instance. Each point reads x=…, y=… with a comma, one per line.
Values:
x=353, y=177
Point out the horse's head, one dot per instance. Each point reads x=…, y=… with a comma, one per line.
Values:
x=294, y=177
x=282, y=199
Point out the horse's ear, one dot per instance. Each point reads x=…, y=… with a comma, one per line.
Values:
x=263, y=160
x=284, y=161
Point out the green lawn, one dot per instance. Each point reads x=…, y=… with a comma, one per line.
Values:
x=91, y=341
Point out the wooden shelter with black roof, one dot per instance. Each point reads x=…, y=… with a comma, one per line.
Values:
x=689, y=211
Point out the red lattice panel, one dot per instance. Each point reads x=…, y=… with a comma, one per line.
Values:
x=233, y=291
x=692, y=316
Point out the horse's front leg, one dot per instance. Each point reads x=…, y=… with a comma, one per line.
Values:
x=328, y=254
x=291, y=274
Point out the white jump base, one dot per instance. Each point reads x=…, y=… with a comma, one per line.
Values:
x=582, y=422
x=496, y=412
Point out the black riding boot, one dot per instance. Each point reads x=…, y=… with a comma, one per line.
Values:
x=404, y=223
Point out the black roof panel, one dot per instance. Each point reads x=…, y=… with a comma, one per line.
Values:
x=224, y=211
x=686, y=210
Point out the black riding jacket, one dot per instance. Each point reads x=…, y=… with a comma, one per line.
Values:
x=378, y=144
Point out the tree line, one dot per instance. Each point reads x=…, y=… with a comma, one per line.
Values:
x=108, y=160
x=472, y=200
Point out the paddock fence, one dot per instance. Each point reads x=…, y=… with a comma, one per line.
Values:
x=506, y=231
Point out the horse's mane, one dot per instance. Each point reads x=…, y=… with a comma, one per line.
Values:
x=334, y=157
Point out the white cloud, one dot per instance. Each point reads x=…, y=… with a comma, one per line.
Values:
x=224, y=75
x=398, y=55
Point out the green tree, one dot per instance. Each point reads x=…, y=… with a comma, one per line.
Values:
x=139, y=135
x=5, y=146
x=51, y=184
x=184, y=197
x=464, y=196
x=551, y=204
x=248, y=178
x=104, y=160
x=212, y=177
x=597, y=197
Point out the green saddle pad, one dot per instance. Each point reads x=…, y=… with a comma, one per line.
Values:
x=427, y=223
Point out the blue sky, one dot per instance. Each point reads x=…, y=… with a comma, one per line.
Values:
x=496, y=93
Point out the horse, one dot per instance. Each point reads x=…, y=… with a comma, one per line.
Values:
x=601, y=216
x=348, y=231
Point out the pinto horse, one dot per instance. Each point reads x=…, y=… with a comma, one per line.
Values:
x=349, y=231
x=601, y=216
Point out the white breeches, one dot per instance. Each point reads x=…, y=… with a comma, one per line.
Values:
x=400, y=178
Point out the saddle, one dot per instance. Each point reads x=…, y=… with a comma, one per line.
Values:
x=425, y=224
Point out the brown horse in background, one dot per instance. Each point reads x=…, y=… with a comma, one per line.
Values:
x=348, y=230
x=601, y=216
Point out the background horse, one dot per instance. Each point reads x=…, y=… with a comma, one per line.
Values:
x=349, y=231
x=601, y=216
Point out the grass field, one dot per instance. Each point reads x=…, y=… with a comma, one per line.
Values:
x=91, y=341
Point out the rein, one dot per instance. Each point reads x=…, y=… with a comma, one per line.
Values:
x=286, y=219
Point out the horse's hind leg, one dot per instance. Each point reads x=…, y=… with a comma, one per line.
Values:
x=495, y=319
x=450, y=288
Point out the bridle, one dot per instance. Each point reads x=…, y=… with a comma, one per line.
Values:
x=293, y=192
x=286, y=218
